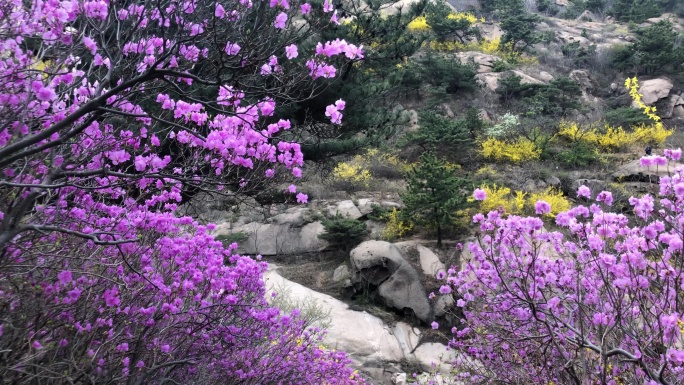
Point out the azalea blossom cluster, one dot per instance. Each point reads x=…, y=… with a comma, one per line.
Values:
x=597, y=301
x=114, y=114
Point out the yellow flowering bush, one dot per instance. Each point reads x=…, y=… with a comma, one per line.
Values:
x=518, y=202
x=446, y=46
x=518, y=150
x=614, y=138
x=350, y=172
x=653, y=133
x=361, y=169
x=375, y=157
x=553, y=197
x=395, y=227
x=502, y=197
x=420, y=24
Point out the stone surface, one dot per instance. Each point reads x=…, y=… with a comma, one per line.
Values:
x=399, y=379
x=634, y=171
x=443, y=304
x=448, y=112
x=654, y=90
x=391, y=205
x=491, y=30
x=407, y=336
x=346, y=209
x=281, y=238
x=374, y=348
x=595, y=185
x=429, y=261
x=553, y=181
x=403, y=290
x=490, y=80
x=582, y=78
x=483, y=61
x=431, y=353
x=364, y=337
x=381, y=264
x=342, y=273
x=375, y=261
x=545, y=76
x=365, y=205
x=565, y=37
x=678, y=112
x=294, y=216
x=673, y=101
x=587, y=15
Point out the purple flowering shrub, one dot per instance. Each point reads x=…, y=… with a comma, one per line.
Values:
x=113, y=113
x=175, y=305
x=600, y=301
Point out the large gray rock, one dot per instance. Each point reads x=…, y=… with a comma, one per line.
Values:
x=429, y=261
x=434, y=355
x=287, y=234
x=346, y=209
x=381, y=264
x=399, y=379
x=544, y=76
x=443, y=305
x=553, y=181
x=365, y=206
x=374, y=348
x=342, y=273
x=403, y=290
x=490, y=80
x=595, y=185
x=582, y=78
x=375, y=261
x=673, y=102
x=654, y=90
x=365, y=338
x=634, y=171
x=565, y=37
x=294, y=216
x=407, y=336
x=678, y=112
x=484, y=61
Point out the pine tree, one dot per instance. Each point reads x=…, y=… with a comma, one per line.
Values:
x=434, y=194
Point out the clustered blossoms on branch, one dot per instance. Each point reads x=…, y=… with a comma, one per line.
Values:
x=112, y=114
x=600, y=301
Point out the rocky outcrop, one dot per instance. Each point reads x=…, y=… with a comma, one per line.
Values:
x=289, y=232
x=294, y=230
x=565, y=37
x=483, y=61
x=490, y=80
x=381, y=264
x=587, y=15
x=342, y=275
x=654, y=90
x=346, y=209
x=376, y=349
x=544, y=76
x=634, y=171
x=429, y=262
x=674, y=107
x=595, y=185
x=582, y=78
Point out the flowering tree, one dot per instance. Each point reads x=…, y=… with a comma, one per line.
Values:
x=112, y=114
x=597, y=302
